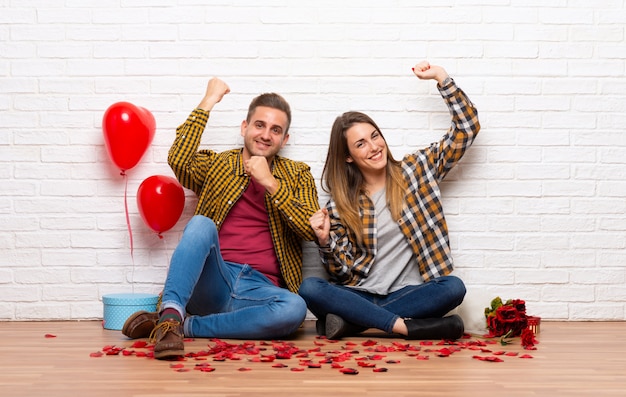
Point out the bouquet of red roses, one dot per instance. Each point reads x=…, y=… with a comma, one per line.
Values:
x=506, y=319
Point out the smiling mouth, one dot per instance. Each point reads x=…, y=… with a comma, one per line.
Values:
x=377, y=156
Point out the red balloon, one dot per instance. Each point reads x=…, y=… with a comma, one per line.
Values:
x=128, y=131
x=161, y=201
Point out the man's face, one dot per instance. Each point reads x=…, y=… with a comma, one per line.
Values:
x=265, y=134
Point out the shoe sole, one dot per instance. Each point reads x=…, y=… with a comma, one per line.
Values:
x=320, y=327
x=168, y=354
x=335, y=326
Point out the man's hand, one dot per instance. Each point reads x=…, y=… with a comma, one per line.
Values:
x=426, y=71
x=258, y=168
x=320, y=223
x=215, y=91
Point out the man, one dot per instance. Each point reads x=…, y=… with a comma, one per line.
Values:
x=238, y=266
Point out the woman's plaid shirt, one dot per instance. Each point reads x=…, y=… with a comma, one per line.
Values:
x=422, y=220
x=219, y=179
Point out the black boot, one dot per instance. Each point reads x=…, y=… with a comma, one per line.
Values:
x=336, y=327
x=448, y=328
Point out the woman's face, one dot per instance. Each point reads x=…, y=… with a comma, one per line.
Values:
x=367, y=148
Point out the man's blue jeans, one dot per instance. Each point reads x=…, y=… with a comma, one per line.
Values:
x=223, y=299
x=429, y=300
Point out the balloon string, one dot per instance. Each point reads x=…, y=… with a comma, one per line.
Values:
x=130, y=231
x=165, y=249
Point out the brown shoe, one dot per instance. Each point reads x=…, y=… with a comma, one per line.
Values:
x=167, y=337
x=140, y=324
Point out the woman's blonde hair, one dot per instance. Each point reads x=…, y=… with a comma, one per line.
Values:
x=344, y=181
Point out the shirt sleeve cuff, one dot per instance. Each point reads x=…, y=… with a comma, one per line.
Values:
x=447, y=87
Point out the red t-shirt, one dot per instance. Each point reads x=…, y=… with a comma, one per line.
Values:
x=245, y=234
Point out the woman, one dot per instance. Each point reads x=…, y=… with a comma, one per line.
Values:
x=383, y=237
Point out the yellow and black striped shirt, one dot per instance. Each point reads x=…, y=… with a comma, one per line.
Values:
x=422, y=220
x=219, y=179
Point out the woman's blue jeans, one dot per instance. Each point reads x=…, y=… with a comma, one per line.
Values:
x=224, y=299
x=432, y=299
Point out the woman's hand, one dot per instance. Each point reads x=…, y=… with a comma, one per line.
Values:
x=425, y=71
x=320, y=223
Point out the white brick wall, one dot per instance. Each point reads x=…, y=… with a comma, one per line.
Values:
x=536, y=209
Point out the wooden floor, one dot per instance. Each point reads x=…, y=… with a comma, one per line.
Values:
x=61, y=359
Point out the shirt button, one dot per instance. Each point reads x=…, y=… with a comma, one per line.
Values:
x=230, y=202
x=193, y=117
x=276, y=202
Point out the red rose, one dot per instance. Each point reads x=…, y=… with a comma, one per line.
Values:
x=506, y=318
x=528, y=338
x=507, y=314
x=519, y=304
x=519, y=326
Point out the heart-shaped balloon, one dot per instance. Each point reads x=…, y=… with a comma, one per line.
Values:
x=128, y=131
x=161, y=201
